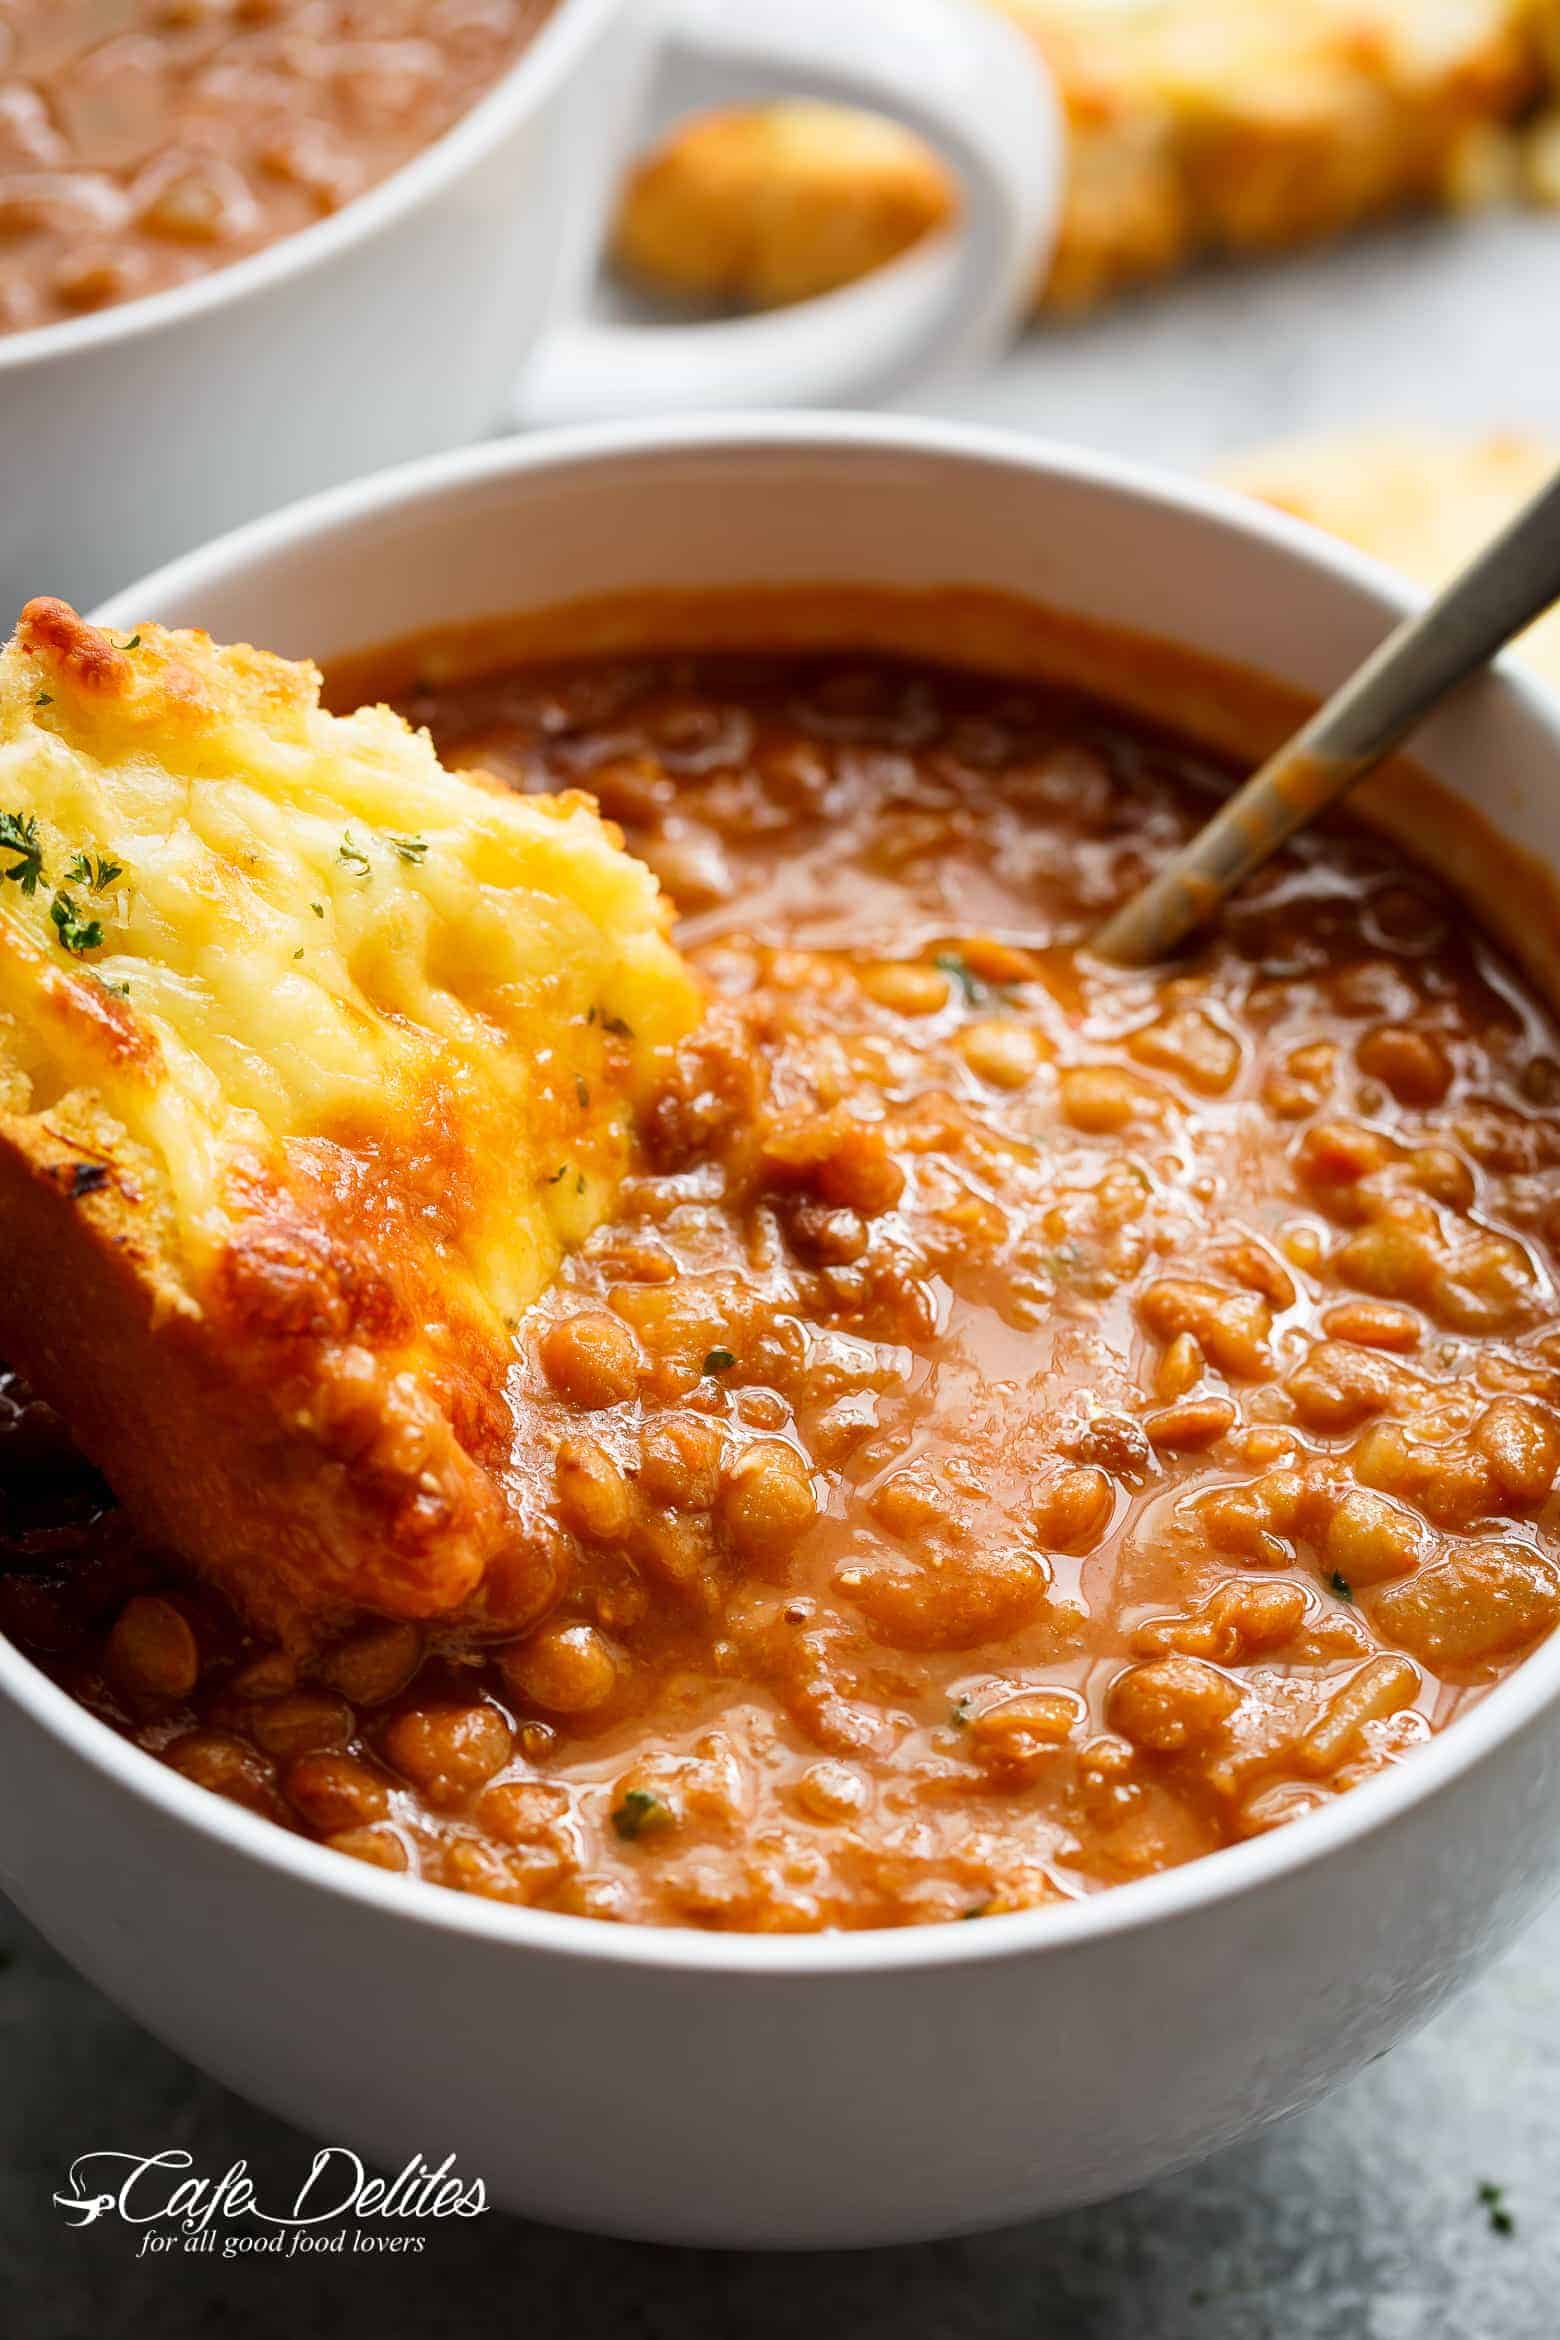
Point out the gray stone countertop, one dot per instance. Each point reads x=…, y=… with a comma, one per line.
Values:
x=1359, y=2218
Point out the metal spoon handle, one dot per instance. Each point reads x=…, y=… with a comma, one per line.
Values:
x=1502, y=590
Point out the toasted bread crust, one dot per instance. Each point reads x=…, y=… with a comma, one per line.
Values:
x=308, y=1496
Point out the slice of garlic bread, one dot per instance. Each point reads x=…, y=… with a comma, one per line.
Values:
x=1424, y=501
x=314, y=1057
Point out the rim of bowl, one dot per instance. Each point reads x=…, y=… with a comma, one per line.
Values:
x=1226, y=1875
x=543, y=61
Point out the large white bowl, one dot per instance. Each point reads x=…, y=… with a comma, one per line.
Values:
x=846, y=2089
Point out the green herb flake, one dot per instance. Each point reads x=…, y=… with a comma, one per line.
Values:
x=44, y=699
x=562, y=1171
x=959, y=1713
x=411, y=848
x=1493, y=2198
x=719, y=1361
x=1341, y=1585
x=77, y=934
x=579, y=1182
x=115, y=984
x=639, y=1812
x=298, y=953
x=955, y=964
x=318, y=908
x=19, y=835
x=134, y=643
x=94, y=870
x=582, y=1090
x=976, y=1909
x=353, y=856
x=616, y=1026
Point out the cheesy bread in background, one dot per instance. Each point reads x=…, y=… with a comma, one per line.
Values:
x=772, y=204
x=1196, y=126
x=314, y=1057
x=1423, y=501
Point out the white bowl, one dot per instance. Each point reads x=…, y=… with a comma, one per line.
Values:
x=826, y=2090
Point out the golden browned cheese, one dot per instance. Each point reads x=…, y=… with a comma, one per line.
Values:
x=1196, y=126
x=314, y=1059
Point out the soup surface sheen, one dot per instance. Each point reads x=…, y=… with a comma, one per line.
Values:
x=145, y=142
x=1026, y=1426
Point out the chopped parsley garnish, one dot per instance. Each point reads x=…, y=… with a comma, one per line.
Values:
x=134, y=643
x=959, y=1713
x=19, y=835
x=1493, y=2198
x=411, y=848
x=1341, y=1585
x=955, y=964
x=719, y=1361
x=354, y=856
x=979, y=1909
x=562, y=1171
x=298, y=953
x=579, y=1182
x=94, y=870
x=318, y=908
x=582, y=1090
x=86, y=1178
x=77, y=934
x=616, y=1026
x=44, y=699
x=638, y=1811
x=116, y=984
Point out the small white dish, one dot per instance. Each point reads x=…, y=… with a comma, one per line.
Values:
x=837, y=2089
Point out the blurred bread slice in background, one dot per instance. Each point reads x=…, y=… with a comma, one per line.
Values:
x=1422, y=501
x=765, y=205
x=1197, y=126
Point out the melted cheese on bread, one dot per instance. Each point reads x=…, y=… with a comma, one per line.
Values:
x=356, y=1043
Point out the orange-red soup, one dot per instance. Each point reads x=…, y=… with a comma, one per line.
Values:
x=1026, y=1425
x=145, y=142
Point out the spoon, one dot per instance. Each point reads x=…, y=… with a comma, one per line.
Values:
x=1502, y=590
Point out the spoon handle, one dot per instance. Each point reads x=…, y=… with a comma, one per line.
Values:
x=1501, y=591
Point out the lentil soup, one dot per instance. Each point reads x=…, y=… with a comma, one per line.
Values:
x=1027, y=1425
x=146, y=142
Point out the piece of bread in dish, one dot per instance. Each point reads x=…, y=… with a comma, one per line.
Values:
x=314, y=1057
x=1423, y=501
x=1195, y=126
x=760, y=206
